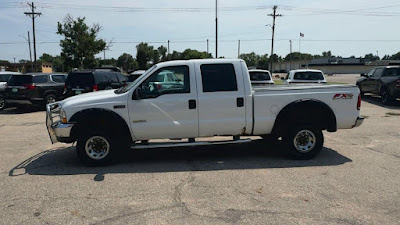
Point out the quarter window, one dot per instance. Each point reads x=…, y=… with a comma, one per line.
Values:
x=392, y=72
x=218, y=77
x=58, y=78
x=167, y=80
x=40, y=79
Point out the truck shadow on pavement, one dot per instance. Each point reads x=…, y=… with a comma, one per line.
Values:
x=254, y=155
x=376, y=100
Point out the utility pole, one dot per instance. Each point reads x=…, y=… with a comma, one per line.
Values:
x=207, y=47
x=216, y=29
x=290, y=67
x=168, y=47
x=274, y=15
x=30, y=53
x=238, y=49
x=33, y=15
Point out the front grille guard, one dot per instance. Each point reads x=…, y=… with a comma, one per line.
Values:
x=52, y=118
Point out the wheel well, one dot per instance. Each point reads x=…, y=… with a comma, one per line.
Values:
x=99, y=119
x=50, y=92
x=305, y=111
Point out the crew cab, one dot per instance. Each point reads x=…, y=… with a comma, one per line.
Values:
x=34, y=89
x=304, y=76
x=215, y=99
x=383, y=81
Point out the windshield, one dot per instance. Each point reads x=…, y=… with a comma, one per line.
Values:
x=126, y=88
x=259, y=76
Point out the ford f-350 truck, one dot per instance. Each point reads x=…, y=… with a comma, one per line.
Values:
x=213, y=97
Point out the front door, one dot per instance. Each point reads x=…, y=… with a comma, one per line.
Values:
x=221, y=99
x=166, y=111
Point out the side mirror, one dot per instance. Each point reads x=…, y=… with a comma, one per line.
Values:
x=138, y=93
x=363, y=75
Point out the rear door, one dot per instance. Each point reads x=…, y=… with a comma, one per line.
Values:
x=221, y=99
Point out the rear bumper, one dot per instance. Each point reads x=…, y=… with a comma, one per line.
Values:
x=58, y=132
x=359, y=121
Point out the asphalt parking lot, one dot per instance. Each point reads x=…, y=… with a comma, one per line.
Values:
x=355, y=179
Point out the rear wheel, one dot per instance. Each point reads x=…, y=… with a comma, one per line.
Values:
x=2, y=102
x=304, y=142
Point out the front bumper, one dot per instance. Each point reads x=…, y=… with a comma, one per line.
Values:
x=57, y=130
x=359, y=121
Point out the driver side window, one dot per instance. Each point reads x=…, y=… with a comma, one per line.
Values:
x=167, y=80
x=371, y=72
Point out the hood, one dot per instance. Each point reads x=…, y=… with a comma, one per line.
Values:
x=93, y=98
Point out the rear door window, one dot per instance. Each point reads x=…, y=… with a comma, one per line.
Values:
x=40, y=79
x=80, y=79
x=308, y=76
x=218, y=77
x=122, y=78
x=20, y=80
x=112, y=77
x=392, y=72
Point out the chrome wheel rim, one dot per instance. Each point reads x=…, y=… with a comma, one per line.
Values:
x=50, y=100
x=304, y=141
x=97, y=147
x=2, y=102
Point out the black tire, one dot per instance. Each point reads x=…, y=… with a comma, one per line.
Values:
x=50, y=98
x=97, y=139
x=385, y=97
x=309, y=139
x=2, y=102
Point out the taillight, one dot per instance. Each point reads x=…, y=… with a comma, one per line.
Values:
x=159, y=86
x=30, y=86
x=95, y=87
x=398, y=83
x=359, y=102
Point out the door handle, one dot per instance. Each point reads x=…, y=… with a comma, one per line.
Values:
x=192, y=104
x=240, y=102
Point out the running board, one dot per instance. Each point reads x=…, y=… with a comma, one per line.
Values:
x=186, y=144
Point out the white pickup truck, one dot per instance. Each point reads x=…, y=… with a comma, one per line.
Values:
x=215, y=99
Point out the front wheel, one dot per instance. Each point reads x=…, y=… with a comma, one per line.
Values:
x=96, y=148
x=50, y=99
x=304, y=142
x=385, y=97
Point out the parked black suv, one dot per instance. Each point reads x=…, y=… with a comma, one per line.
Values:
x=384, y=81
x=34, y=89
x=79, y=82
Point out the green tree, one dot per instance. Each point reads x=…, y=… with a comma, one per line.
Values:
x=107, y=62
x=251, y=59
x=144, y=55
x=57, y=61
x=126, y=62
x=371, y=57
x=298, y=56
x=327, y=54
x=162, y=50
x=80, y=44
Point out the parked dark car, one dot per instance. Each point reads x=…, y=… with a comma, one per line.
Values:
x=383, y=81
x=79, y=82
x=34, y=89
x=135, y=75
x=4, y=77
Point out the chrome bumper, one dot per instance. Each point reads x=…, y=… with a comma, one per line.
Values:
x=359, y=121
x=56, y=129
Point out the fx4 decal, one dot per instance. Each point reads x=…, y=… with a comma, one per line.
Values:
x=342, y=96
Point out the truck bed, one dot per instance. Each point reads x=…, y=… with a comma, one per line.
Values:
x=286, y=87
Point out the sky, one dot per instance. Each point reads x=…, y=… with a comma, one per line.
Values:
x=344, y=27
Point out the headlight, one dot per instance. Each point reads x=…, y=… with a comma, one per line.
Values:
x=63, y=116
